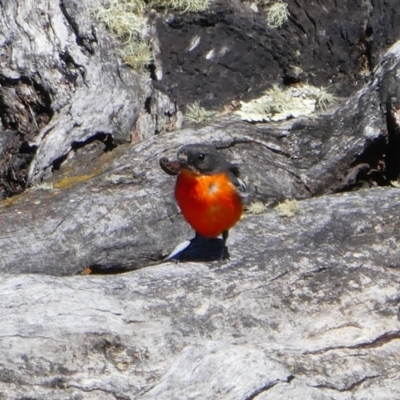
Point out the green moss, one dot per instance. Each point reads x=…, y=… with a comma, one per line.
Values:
x=324, y=99
x=262, y=2
x=44, y=186
x=137, y=55
x=124, y=17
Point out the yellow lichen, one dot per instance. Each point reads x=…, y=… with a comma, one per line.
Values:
x=70, y=181
x=287, y=208
x=11, y=200
x=256, y=208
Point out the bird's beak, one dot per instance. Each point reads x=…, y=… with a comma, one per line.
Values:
x=183, y=160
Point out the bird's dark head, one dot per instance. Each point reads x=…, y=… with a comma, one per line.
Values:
x=202, y=159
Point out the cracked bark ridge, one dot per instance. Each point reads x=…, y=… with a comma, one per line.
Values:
x=228, y=52
x=61, y=83
x=114, y=210
x=306, y=307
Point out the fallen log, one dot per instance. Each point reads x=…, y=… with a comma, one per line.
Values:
x=306, y=306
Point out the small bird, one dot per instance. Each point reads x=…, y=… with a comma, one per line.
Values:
x=208, y=190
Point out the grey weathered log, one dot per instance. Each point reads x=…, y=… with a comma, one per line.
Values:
x=63, y=83
x=118, y=210
x=307, y=307
x=64, y=79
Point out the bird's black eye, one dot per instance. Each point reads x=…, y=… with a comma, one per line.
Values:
x=201, y=157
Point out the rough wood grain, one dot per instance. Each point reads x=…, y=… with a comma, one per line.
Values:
x=116, y=209
x=326, y=43
x=307, y=306
x=62, y=82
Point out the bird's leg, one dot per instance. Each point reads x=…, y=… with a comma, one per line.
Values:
x=225, y=235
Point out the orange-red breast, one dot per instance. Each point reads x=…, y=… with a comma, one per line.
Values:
x=208, y=190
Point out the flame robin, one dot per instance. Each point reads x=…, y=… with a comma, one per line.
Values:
x=207, y=189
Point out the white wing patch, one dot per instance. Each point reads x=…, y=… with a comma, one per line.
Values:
x=242, y=185
x=178, y=249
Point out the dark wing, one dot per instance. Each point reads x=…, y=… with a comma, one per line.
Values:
x=234, y=174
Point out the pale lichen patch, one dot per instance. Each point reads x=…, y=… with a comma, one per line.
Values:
x=197, y=114
x=288, y=208
x=279, y=104
x=277, y=15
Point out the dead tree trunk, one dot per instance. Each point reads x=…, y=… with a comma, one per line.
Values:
x=307, y=305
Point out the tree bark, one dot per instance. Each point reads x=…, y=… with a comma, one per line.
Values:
x=307, y=306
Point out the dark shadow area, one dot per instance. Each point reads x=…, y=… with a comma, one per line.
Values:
x=98, y=269
x=101, y=137
x=369, y=169
x=202, y=249
x=25, y=109
x=248, y=57
x=393, y=147
x=198, y=249
x=119, y=268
